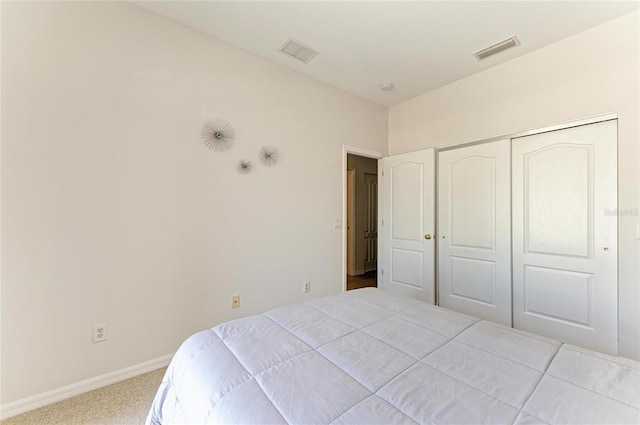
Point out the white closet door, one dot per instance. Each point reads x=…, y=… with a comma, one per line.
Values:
x=474, y=230
x=408, y=223
x=564, y=242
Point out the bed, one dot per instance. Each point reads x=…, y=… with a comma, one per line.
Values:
x=370, y=357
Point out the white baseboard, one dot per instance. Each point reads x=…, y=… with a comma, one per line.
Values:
x=72, y=390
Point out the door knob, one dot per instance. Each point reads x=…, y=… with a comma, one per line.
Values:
x=427, y=236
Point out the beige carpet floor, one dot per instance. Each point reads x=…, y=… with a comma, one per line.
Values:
x=123, y=403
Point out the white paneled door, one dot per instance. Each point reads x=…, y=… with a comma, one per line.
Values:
x=408, y=224
x=565, y=235
x=474, y=230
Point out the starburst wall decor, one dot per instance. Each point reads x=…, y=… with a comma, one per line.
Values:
x=268, y=156
x=244, y=167
x=218, y=135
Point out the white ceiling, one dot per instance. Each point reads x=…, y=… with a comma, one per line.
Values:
x=417, y=45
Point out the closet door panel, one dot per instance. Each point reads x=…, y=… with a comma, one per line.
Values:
x=558, y=187
x=472, y=189
x=564, y=245
x=473, y=280
x=571, y=294
x=474, y=269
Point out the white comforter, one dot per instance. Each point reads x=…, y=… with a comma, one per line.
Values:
x=369, y=357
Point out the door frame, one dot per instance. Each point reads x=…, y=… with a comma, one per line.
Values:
x=347, y=149
x=535, y=130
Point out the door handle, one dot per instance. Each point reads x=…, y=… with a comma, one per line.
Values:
x=427, y=236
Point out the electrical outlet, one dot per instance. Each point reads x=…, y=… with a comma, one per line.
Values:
x=99, y=333
x=307, y=286
x=235, y=301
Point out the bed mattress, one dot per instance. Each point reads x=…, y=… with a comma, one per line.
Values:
x=370, y=357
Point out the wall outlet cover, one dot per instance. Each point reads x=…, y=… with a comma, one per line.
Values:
x=99, y=333
x=235, y=301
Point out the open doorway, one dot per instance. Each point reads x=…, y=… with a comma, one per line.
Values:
x=361, y=221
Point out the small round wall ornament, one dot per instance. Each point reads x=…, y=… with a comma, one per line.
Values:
x=244, y=166
x=268, y=156
x=218, y=134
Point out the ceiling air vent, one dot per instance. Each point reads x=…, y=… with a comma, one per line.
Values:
x=298, y=50
x=497, y=48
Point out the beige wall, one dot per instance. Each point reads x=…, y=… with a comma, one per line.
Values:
x=114, y=212
x=591, y=73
